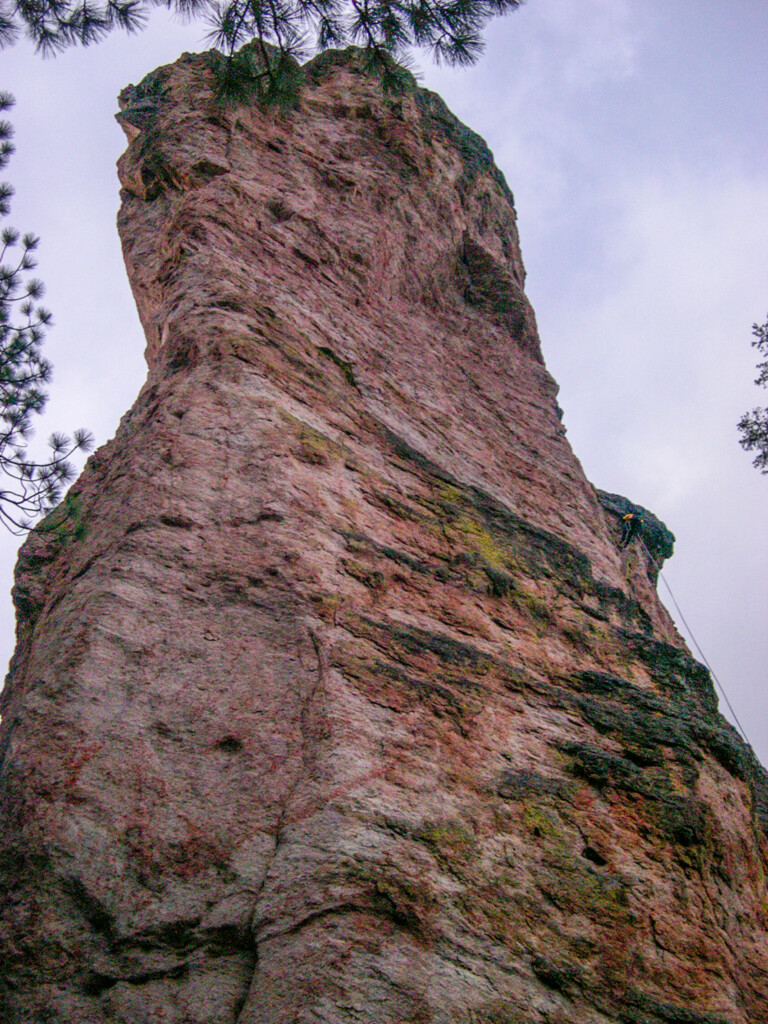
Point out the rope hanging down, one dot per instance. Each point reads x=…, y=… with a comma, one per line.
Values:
x=703, y=657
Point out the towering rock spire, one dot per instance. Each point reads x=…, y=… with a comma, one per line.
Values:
x=335, y=699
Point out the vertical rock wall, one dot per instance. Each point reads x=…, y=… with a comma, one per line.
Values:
x=334, y=698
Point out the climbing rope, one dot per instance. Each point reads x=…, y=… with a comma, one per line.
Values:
x=703, y=657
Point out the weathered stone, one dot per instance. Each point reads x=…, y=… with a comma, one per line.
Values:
x=334, y=698
x=658, y=540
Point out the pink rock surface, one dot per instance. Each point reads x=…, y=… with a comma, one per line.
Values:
x=335, y=699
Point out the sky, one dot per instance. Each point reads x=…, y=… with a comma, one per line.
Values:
x=634, y=136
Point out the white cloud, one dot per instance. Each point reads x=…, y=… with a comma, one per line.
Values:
x=597, y=40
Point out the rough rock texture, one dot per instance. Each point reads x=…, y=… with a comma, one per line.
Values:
x=658, y=541
x=334, y=699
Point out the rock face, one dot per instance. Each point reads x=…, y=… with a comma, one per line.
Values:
x=334, y=698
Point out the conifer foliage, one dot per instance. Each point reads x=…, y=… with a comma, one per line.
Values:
x=450, y=30
x=754, y=425
x=27, y=488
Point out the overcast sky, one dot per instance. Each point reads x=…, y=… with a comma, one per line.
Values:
x=634, y=136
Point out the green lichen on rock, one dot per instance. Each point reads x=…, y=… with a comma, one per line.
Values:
x=659, y=540
x=440, y=123
x=345, y=367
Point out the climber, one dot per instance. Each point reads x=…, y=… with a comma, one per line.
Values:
x=630, y=527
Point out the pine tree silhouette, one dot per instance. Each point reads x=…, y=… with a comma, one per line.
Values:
x=29, y=488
